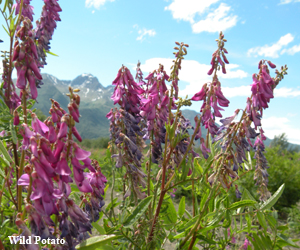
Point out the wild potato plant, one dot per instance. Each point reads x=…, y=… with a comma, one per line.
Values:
x=57, y=191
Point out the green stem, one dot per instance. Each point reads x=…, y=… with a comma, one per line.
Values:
x=193, y=198
x=112, y=192
x=149, y=176
x=3, y=186
x=22, y=161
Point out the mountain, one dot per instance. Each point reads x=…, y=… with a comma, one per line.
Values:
x=94, y=105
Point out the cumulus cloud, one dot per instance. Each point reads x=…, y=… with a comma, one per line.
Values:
x=278, y=125
x=143, y=32
x=216, y=20
x=291, y=51
x=188, y=75
x=96, y=3
x=271, y=50
x=286, y=92
x=186, y=10
x=288, y=1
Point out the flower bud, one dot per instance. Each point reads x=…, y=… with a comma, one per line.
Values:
x=273, y=66
x=16, y=118
x=210, y=71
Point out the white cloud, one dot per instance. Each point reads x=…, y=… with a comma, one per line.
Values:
x=216, y=21
x=190, y=10
x=291, y=51
x=233, y=74
x=188, y=75
x=237, y=91
x=187, y=9
x=96, y=3
x=286, y=92
x=288, y=1
x=278, y=125
x=144, y=32
x=271, y=50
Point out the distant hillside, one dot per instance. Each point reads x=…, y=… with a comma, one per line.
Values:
x=95, y=102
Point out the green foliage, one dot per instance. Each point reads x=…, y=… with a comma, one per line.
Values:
x=95, y=143
x=284, y=169
x=39, y=113
x=294, y=219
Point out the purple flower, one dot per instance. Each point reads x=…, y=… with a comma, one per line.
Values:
x=38, y=126
x=204, y=150
x=63, y=130
x=45, y=146
x=80, y=154
x=27, y=9
x=62, y=167
x=201, y=94
x=246, y=244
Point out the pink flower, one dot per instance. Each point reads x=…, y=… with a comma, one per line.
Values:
x=38, y=126
x=201, y=94
x=80, y=154
x=246, y=244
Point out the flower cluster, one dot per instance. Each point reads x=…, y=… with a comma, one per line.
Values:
x=27, y=9
x=12, y=99
x=25, y=57
x=51, y=157
x=242, y=133
x=127, y=136
x=45, y=29
x=127, y=91
x=212, y=96
x=155, y=110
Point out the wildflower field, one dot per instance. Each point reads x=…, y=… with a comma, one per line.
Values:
x=161, y=181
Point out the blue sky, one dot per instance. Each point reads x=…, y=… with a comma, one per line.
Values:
x=98, y=36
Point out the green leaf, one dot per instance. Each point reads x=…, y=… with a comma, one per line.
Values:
x=243, y=203
x=198, y=166
x=262, y=220
x=170, y=213
x=97, y=241
x=178, y=236
x=11, y=26
x=98, y=228
x=272, y=221
x=13, y=132
x=259, y=242
x=74, y=188
x=273, y=199
x=5, y=5
x=181, y=207
x=288, y=241
x=188, y=224
x=217, y=218
x=137, y=212
x=6, y=30
x=209, y=241
x=5, y=162
x=51, y=53
x=4, y=152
